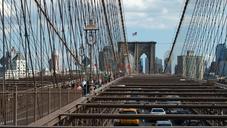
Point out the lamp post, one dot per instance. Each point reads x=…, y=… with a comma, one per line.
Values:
x=81, y=52
x=90, y=30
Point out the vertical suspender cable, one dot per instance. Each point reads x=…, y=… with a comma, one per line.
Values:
x=177, y=33
x=4, y=65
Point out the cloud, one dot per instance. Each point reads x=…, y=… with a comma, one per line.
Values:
x=138, y=5
x=165, y=11
x=7, y=9
x=153, y=14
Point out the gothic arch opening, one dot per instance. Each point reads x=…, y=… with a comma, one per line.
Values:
x=144, y=64
x=131, y=61
x=141, y=56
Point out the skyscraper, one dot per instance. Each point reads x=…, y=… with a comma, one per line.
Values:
x=220, y=53
x=190, y=66
x=168, y=66
x=221, y=59
x=54, y=62
x=15, y=66
x=158, y=65
x=167, y=63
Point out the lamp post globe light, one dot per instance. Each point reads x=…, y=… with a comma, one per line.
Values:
x=81, y=50
x=90, y=30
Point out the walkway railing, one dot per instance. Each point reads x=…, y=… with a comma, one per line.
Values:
x=24, y=107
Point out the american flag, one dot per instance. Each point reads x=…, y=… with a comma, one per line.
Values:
x=134, y=34
x=13, y=50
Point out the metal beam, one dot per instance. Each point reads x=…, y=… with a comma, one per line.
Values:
x=169, y=87
x=167, y=93
x=182, y=102
x=146, y=116
x=25, y=126
x=194, y=99
x=148, y=106
x=166, y=90
x=160, y=84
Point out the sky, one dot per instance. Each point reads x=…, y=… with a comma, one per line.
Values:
x=153, y=20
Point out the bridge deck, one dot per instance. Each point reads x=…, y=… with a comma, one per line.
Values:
x=186, y=103
x=204, y=104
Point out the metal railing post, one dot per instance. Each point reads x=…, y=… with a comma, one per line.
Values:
x=15, y=107
x=35, y=103
x=67, y=96
x=49, y=101
x=59, y=95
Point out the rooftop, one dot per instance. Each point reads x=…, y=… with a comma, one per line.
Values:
x=19, y=56
x=140, y=42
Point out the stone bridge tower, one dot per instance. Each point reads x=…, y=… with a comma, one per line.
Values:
x=136, y=49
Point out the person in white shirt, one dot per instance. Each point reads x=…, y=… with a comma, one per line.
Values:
x=84, y=86
x=84, y=82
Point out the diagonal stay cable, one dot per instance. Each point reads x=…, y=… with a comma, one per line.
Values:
x=55, y=30
x=108, y=28
x=177, y=33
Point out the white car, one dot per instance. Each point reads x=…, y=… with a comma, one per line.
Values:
x=164, y=123
x=157, y=111
x=173, y=101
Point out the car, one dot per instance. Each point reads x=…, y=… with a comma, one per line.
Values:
x=182, y=79
x=121, y=85
x=221, y=79
x=132, y=102
x=180, y=121
x=173, y=101
x=181, y=111
x=157, y=111
x=163, y=123
x=128, y=122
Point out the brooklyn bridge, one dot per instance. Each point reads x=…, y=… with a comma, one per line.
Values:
x=69, y=63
